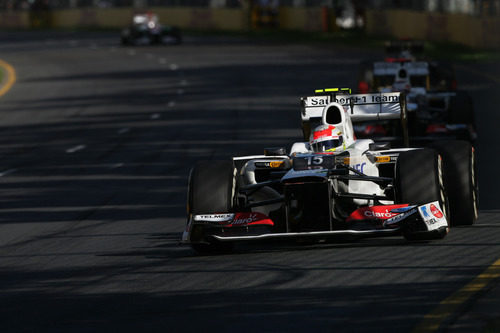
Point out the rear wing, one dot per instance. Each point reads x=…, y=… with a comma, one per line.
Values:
x=360, y=107
x=393, y=68
x=398, y=46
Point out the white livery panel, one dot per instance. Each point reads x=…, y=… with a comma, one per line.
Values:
x=360, y=107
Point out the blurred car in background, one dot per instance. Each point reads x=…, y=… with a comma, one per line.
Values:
x=436, y=108
x=440, y=75
x=146, y=30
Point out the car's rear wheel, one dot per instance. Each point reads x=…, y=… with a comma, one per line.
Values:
x=460, y=179
x=419, y=180
x=211, y=189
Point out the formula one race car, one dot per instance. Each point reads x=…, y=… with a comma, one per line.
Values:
x=435, y=108
x=331, y=186
x=146, y=30
x=432, y=113
x=434, y=75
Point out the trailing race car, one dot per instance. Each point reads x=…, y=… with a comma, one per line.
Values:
x=146, y=29
x=333, y=185
x=436, y=109
x=431, y=74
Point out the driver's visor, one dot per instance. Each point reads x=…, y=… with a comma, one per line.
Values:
x=327, y=145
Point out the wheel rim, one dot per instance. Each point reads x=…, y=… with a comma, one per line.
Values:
x=233, y=189
x=442, y=193
x=474, y=184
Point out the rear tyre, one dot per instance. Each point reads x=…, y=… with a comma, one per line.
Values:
x=460, y=180
x=419, y=180
x=211, y=190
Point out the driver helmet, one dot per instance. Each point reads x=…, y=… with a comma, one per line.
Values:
x=326, y=138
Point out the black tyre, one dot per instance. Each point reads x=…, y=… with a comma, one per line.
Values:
x=419, y=180
x=211, y=189
x=460, y=180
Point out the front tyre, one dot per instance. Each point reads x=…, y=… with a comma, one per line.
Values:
x=419, y=180
x=211, y=189
x=460, y=179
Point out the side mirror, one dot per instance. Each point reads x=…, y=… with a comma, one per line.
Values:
x=274, y=151
x=379, y=146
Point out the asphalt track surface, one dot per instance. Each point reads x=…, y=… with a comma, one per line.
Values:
x=96, y=143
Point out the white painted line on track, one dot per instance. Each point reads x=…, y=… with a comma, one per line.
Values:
x=171, y=104
x=7, y=172
x=75, y=149
x=116, y=166
x=155, y=116
x=123, y=130
x=174, y=67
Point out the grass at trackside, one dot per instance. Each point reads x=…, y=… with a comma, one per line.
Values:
x=358, y=39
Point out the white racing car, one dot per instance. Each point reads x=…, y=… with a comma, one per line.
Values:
x=147, y=30
x=435, y=107
x=333, y=185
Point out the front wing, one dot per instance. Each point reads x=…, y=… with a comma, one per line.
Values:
x=366, y=221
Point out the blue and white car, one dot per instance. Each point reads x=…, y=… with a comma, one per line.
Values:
x=364, y=189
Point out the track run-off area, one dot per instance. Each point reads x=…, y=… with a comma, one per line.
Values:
x=96, y=144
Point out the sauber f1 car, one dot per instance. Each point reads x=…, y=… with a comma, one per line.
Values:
x=331, y=186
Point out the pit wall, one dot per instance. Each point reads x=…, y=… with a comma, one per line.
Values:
x=478, y=32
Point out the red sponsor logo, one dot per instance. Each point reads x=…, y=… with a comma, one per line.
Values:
x=374, y=212
x=245, y=218
x=324, y=133
x=250, y=218
x=436, y=212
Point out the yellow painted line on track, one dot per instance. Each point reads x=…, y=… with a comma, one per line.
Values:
x=10, y=79
x=450, y=306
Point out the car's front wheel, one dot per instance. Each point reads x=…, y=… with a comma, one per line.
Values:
x=419, y=180
x=460, y=179
x=211, y=189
